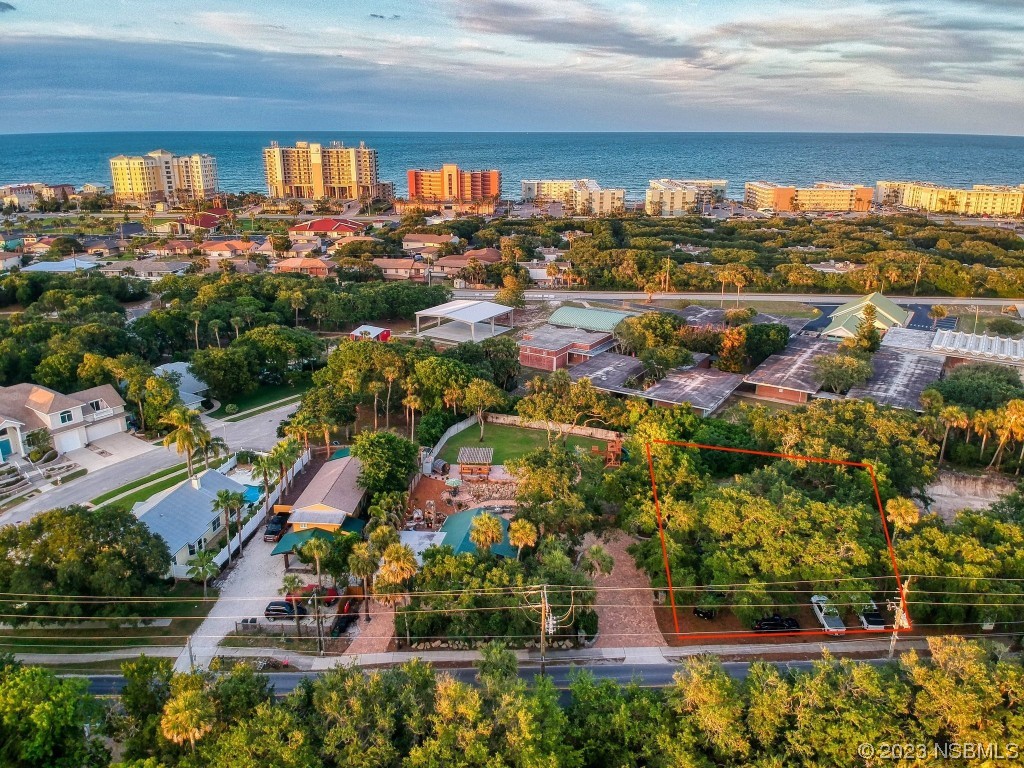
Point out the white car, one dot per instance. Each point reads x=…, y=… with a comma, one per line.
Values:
x=828, y=616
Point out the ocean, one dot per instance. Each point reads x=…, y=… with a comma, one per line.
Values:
x=614, y=159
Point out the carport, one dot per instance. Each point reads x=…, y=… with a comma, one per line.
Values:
x=464, y=320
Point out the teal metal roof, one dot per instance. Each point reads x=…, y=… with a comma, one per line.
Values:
x=456, y=534
x=588, y=319
x=294, y=540
x=353, y=524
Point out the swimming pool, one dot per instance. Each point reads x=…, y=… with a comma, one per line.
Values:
x=253, y=493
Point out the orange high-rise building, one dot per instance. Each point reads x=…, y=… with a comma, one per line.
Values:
x=453, y=187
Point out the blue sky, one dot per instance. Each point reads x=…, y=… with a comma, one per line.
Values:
x=954, y=66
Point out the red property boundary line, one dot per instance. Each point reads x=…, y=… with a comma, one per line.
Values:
x=791, y=457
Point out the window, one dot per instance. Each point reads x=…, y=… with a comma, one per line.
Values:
x=96, y=405
x=215, y=523
x=66, y=417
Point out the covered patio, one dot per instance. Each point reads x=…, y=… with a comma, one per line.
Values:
x=464, y=320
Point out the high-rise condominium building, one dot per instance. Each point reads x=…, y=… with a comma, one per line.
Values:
x=582, y=195
x=677, y=197
x=981, y=199
x=162, y=177
x=823, y=196
x=451, y=183
x=312, y=171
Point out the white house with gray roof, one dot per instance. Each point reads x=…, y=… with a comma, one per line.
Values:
x=184, y=517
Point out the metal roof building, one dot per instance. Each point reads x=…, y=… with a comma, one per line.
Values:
x=980, y=347
x=456, y=531
x=588, y=319
x=790, y=374
x=898, y=378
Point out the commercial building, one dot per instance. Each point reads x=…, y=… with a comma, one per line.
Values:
x=311, y=171
x=846, y=318
x=550, y=348
x=899, y=378
x=163, y=177
x=678, y=197
x=791, y=375
x=588, y=319
x=73, y=421
x=583, y=196
x=453, y=189
x=823, y=196
x=979, y=200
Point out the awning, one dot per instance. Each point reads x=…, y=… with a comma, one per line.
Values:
x=295, y=540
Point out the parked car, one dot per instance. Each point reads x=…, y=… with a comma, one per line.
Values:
x=328, y=595
x=776, y=623
x=347, y=614
x=275, y=528
x=707, y=605
x=870, y=617
x=828, y=615
x=282, y=609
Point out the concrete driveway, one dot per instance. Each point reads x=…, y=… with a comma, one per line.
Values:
x=109, y=450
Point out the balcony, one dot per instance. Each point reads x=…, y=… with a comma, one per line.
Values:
x=100, y=415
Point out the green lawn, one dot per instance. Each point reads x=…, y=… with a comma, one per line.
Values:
x=176, y=469
x=507, y=442
x=264, y=396
x=182, y=606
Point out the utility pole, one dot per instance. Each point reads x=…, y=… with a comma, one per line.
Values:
x=319, y=622
x=900, y=621
x=191, y=656
x=544, y=614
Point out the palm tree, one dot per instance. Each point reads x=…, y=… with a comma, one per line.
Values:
x=596, y=561
x=212, y=447
x=390, y=373
x=229, y=502
x=388, y=510
x=485, y=531
x=952, y=417
x=903, y=514
x=397, y=565
x=1009, y=427
x=265, y=465
x=300, y=428
x=236, y=323
x=202, y=567
x=521, y=533
x=317, y=549
x=362, y=563
x=413, y=403
x=187, y=432
x=286, y=453
x=195, y=317
x=292, y=585
x=376, y=388
x=983, y=422
x=215, y=326
x=187, y=717
x=298, y=301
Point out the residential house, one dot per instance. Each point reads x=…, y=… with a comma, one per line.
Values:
x=450, y=266
x=333, y=229
x=191, y=389
x=147, y=269
x=304, y=266
x=103, y=248
x=331, y=498
x=401, y=269
x=845, y=319
x=222, y=249
x=205, y=220
x=73, y=421
x=172, y=248
x=64, y=266
x=415, y=241
x=184, y=517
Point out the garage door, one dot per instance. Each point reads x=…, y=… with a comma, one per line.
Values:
x=68, y=441
x=105, y=428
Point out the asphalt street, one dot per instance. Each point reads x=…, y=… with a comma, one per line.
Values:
x=648, y=675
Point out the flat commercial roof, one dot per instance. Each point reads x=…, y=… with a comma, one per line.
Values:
x=553, y=338
x=908, y=340
x=466, y=311
x=703, y=388
x=588, y=319
x=899, y=378
x=793, y=367
x=997, y=349
x=609, y=372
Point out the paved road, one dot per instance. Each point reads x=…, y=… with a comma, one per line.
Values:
x=804, y=298
x=648, y=675
x=256, y=432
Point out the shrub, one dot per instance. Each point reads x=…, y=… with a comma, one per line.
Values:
x=231, y=409
x=1004, y=326
x=433, y=425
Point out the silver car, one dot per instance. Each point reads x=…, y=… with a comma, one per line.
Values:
x=828, y=616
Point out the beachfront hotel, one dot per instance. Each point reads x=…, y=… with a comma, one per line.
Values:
x=584, y=196
x=452, y=189
x=163, y=177
x=979, y=200
x=678, y=197
x=823, y=196
x=310, y=171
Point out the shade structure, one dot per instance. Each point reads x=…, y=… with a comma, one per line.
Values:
x=453, y=482
x=464, y=317
x=290, y=542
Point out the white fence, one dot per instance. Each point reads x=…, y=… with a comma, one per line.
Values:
x=250, y=526
x=449, y=433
